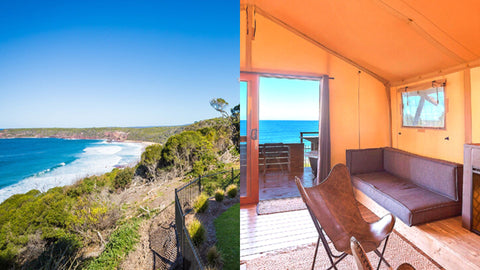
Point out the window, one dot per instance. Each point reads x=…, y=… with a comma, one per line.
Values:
x=424, y=108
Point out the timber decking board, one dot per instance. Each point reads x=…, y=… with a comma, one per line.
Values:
x=261, y=234
x=278, y=184
x=445, y=241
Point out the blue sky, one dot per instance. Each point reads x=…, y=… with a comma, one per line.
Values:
x=288, y=99
x=284, y=99
x=115, y=63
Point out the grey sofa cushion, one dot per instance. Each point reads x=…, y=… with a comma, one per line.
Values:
x=406, y=200
x=442, y=177
x=365, y=160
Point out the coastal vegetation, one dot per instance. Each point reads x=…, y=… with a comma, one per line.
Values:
x=214, y=258
x=146, y=134
x=219, y=195
x=94, y=223
x=232, y=191
x=122, y=240
x=201, y=204
x=197, y=232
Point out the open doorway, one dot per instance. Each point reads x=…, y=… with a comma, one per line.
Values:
x=288, y=134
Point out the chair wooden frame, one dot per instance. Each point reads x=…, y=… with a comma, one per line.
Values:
x=275, y=154
x=381, y=228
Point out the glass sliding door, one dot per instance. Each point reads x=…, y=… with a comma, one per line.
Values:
x=248, y=138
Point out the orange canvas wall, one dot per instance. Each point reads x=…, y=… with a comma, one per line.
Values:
x=475, y=96
x=276, y=49
x=431, y=142
x=243, y=32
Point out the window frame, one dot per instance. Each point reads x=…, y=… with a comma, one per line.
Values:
x=425, y=88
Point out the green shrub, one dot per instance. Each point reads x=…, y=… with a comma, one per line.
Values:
x=219, y=195
x=152, y=154
x=123, y=178
x=232, y=191
x=197, y=232
x=148, y=164
x=214, y=258
x=201, y=204
x=209, y=187
x=188, y=151
x=85, y=186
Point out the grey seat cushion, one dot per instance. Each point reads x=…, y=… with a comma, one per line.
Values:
x=409, y=202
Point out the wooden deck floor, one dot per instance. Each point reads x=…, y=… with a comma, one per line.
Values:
x=445, y=241
x=261, y=234
x=278, y=184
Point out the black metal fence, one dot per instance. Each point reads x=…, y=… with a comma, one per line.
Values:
x=185, y=196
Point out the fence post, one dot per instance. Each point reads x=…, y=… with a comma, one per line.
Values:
x=199, y=185
x=178, y=222
x=232, y=175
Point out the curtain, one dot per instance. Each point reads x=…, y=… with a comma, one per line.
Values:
x=323, y=166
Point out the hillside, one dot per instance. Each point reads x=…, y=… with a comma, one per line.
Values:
x=148, y=134
x=145, y=134
x=97, y=222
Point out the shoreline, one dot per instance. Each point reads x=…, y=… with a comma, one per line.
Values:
x=69, y=175
x=145, y=143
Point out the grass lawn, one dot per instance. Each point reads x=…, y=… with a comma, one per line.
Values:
x=227, y=226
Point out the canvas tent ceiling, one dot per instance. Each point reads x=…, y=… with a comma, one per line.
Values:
x=394, y=39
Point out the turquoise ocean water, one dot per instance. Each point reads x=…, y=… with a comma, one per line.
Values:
x=286, y=131
x=31, y=163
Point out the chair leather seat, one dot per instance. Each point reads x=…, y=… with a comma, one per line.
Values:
x=334, y=210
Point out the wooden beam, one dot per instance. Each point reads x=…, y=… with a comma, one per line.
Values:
x=438, y=73
x=468, y=105
x=390, y=117
x=248, y=39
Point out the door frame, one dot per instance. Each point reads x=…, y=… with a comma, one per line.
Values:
x=252, y=138
x=253, y=81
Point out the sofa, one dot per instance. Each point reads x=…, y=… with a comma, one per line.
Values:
x=414, y=188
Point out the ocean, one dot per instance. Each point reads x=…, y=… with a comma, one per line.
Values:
x=34, y=163
x=286, y=131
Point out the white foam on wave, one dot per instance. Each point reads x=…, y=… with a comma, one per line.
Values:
x=96, y=159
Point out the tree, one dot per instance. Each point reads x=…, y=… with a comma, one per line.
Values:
x=233, y=120
x=236, y=126
x=235, y=111
x=219, y=104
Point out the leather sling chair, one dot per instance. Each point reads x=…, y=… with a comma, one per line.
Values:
x=335, y=212
x=362, y=261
